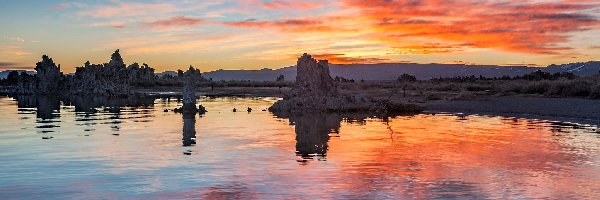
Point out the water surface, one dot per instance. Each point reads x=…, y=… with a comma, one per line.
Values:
x=132, y=149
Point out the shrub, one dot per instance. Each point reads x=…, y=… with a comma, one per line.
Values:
x=536, y=87
x=478, y=87
x=407, y=78
x=595, y=91
x=577, y=88
x=511, y=87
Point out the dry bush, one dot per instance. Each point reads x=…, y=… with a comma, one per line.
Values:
x=595, y=91
x=569, y=88
x=535, y=87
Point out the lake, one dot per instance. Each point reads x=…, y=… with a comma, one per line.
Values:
x=97, y=148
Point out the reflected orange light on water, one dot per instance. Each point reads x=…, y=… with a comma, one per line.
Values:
x=260, y=154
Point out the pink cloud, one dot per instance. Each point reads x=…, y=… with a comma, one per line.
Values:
x=301, y=5
x=285, y=4
x=129, y=10
x=177, y=21
x=58, y=7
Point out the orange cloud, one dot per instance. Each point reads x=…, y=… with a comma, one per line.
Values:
x=428, y=48
x=342, y=59
x=511, y=26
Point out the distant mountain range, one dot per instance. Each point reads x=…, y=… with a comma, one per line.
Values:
x=391, y=71
x=421, y=71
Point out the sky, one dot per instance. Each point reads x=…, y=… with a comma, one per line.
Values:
x=255, y=34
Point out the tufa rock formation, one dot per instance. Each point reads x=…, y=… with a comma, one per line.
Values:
x=141, y=76
x=112, y=78
x=109, y=79
x=189, y=89
x=190, y=78
x=315, y=91
x=49, y=76
x=313, y=78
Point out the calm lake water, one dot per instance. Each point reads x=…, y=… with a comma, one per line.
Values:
x=132, y=149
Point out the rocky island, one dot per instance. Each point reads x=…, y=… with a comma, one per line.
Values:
x=315, y=91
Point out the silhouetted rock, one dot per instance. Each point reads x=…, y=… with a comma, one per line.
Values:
x=201, y=109
x=49, y=76
x=112, y=78
x=313, y=78
x=190, y=77
x=315, y=91
x=141, y=76
x=107, y=79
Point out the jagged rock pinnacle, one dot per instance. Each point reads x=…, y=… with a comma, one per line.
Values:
x=48, y=75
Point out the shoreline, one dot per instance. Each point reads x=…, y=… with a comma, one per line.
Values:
x=574, y=110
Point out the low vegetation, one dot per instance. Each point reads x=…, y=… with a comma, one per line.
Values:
x=536, y=83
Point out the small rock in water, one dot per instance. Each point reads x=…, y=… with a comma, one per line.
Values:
x=201, y=109
x=47, y=137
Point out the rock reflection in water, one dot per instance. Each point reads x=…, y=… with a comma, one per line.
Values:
x=189, y=130
x=312, y=133
x=313, y=130
x=111, y=109
x=112, y=104
x=47, y=107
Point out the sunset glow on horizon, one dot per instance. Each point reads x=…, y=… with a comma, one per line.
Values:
x=255, y=34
